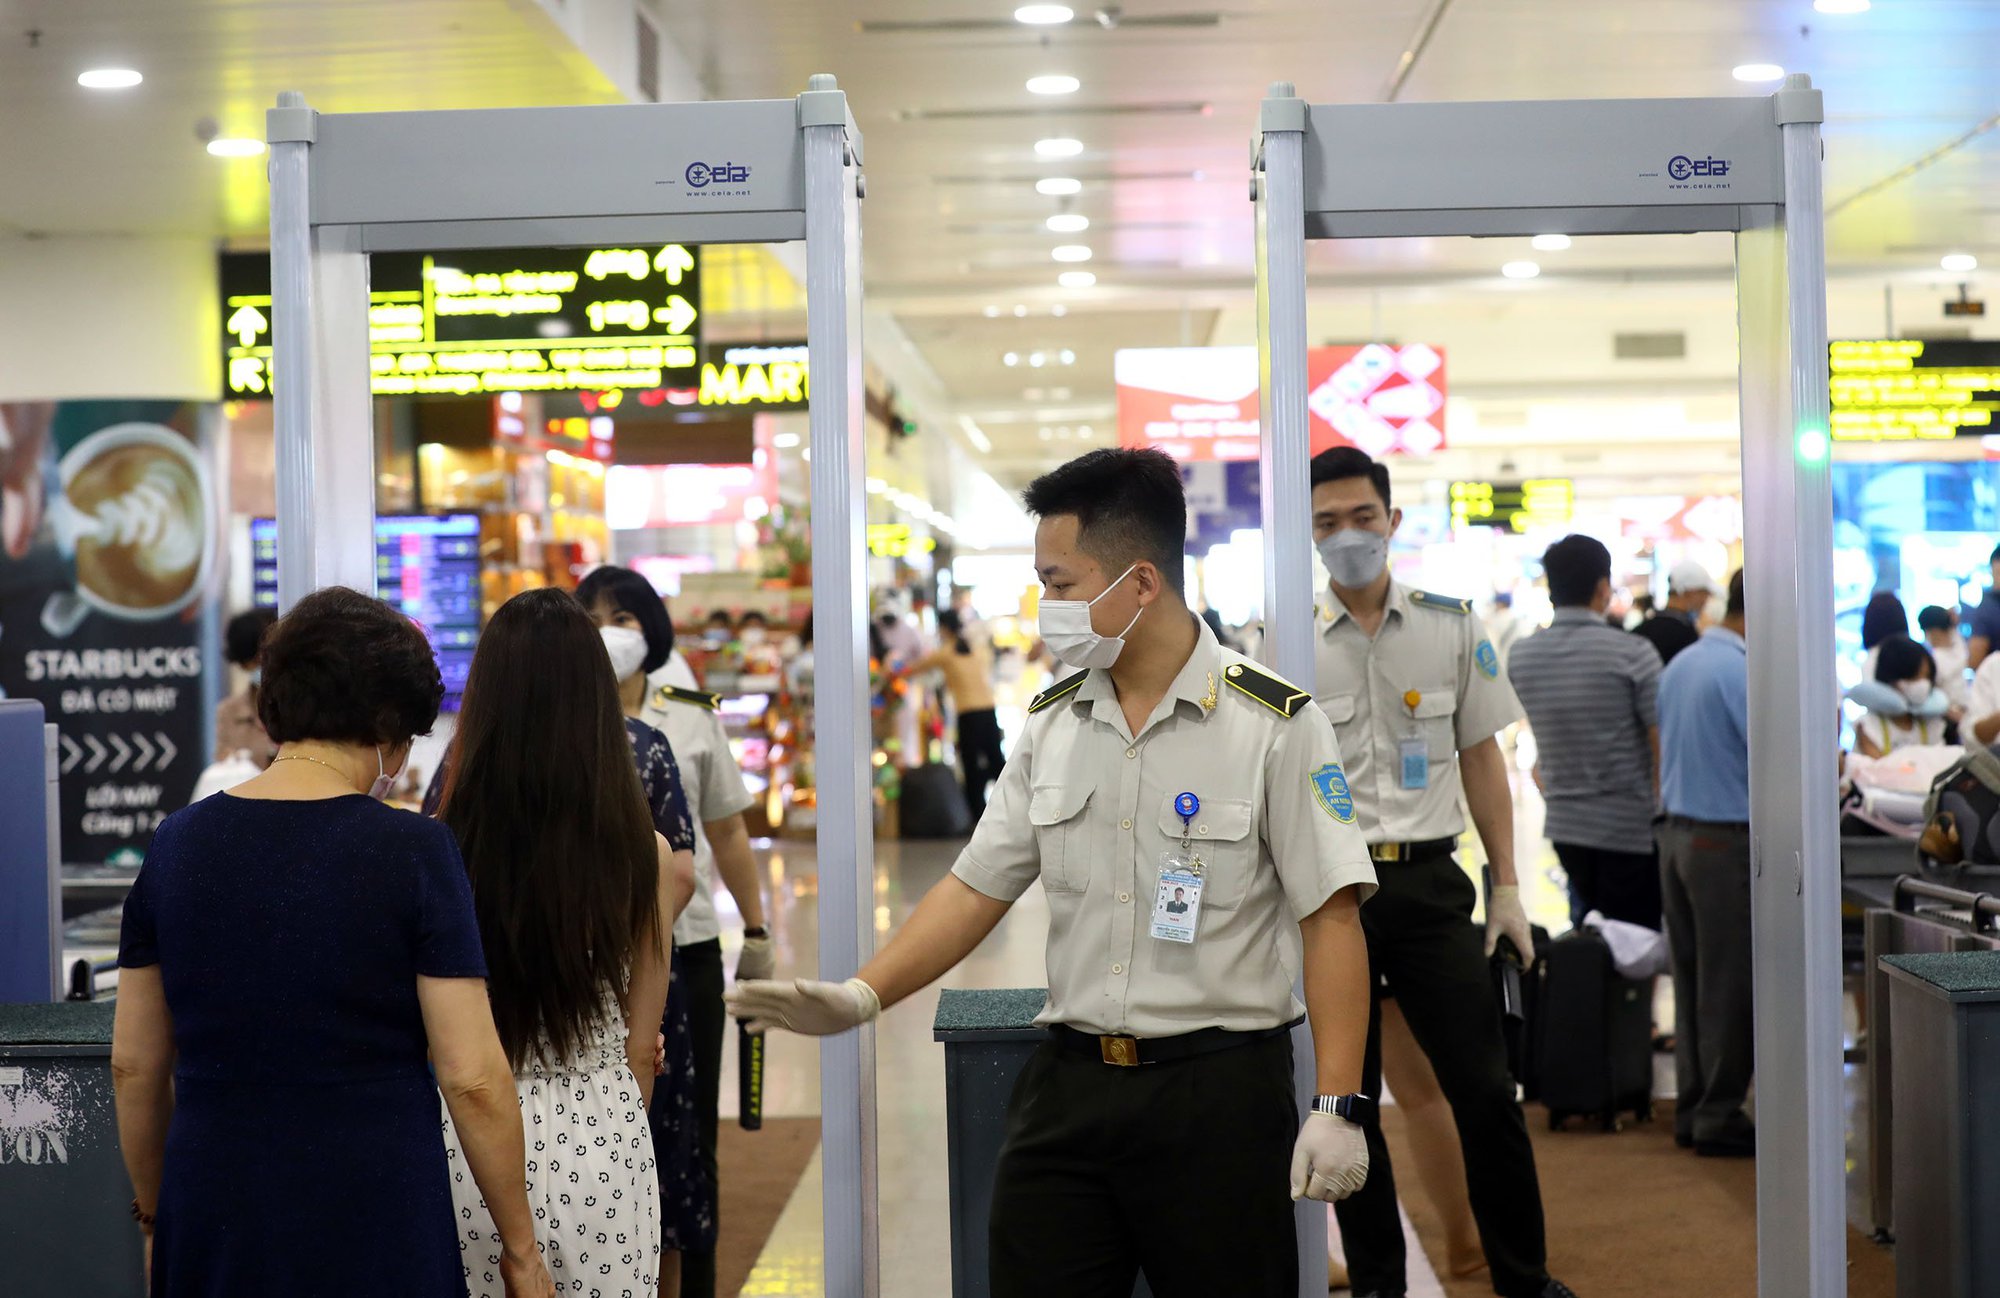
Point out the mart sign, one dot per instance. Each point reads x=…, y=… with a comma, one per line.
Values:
x=1202, y=403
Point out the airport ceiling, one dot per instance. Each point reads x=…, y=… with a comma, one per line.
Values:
x=957, y=242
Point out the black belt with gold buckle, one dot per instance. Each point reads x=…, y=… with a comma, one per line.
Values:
x=1423, y=851
x=1136, y=1052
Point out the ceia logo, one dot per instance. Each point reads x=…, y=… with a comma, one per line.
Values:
x=700, y=175
x=1682, y=167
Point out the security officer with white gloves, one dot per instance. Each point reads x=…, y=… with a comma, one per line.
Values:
x=1414, y=689
x=717, y=798
x=1156, y=1130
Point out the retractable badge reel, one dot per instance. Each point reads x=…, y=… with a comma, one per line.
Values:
x=1177, y=903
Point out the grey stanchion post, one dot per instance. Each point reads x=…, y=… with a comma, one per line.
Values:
x=841, y=722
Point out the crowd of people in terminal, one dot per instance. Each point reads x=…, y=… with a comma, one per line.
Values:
x=493, y=1033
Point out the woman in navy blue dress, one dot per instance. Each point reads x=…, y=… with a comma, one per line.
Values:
x=297, y=959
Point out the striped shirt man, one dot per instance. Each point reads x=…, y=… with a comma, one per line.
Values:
x=1591, y=693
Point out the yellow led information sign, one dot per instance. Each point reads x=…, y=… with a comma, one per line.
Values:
x=497, y=320
x=757, y=376
x=1907, y=390
x=896, y=541
x=1513, y=506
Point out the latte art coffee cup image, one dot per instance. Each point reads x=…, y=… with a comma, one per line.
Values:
x=136, y=513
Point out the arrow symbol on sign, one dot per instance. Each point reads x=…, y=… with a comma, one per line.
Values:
x=246, y=324
x=98, y=752
x=71, y=753
x=124, y=753
x=145, y=752
x=167, y=751
x=246, y=374
x=676, y=315
x=674, y=262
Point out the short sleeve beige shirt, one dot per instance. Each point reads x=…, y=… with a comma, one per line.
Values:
x=715, y=790
x=1088, y=808
x=1428, y=675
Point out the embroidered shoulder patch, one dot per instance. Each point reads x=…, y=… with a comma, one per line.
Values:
x=1488, y=660
x=1330, y=791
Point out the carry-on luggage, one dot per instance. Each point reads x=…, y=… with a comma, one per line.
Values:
x=933, y=803
x=1595, y=1035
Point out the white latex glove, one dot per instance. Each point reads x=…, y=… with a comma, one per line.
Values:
x=813, y=1009
x=1330, y=1160
x=1504, y=917
x=758, y=960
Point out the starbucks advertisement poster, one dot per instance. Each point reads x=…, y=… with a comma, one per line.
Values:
x=108, y=565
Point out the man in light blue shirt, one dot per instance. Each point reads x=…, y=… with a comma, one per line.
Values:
x=1705, y=880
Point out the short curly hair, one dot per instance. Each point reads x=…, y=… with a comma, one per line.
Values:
x=347, y=669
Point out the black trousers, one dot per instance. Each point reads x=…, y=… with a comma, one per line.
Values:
x=1420, y=941
x=1618, y=885
x=701, y=974
x=1179, y=1170
x=1705, y=872
x=980, y=756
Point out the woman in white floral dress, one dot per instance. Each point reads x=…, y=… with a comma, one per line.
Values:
x=575, y=895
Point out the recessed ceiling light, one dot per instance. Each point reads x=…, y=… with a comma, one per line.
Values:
x=1550, y=243
x=1037, y=360
x=1071, y=252
x=1011, y=359
x=1020, y=312
x=230, y=147
x=1076, y=279
x=1959, y=261
x=1054, y=84
x=1068, y=356
x=1069, y=223
x=1058, y=186
x=109, y=79
x=1058, y=310
x=1520, y=270
x=1841, y=6
x=991, y=312
x=1044, y=15
x=1757, y=72
x=1085, y=431
x=1061, y=146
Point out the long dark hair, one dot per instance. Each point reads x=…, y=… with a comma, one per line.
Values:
x=546, y=803
x=1884, y=617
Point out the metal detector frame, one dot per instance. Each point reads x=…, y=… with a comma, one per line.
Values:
x=347, y=185
x=1635, y=166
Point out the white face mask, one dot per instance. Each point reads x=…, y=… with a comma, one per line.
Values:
x=1354, y=556
x=627, y=649
x=385, y=779
x=1067, y=631
x=1917, y=692
x=752, y=636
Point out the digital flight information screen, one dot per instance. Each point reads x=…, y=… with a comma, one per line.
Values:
x=427, y=565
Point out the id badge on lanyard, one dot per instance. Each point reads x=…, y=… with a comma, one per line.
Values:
x=1177, y=900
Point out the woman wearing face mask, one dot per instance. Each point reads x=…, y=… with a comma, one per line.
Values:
x=1905, y=707
x=576, y=894
x=1951, y=653
x=237, y=728
x=298, y=960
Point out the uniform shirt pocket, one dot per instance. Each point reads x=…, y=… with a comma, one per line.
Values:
x=1061, y=829
x=1434, y=715
x=1339, y=708
x=1221, y=833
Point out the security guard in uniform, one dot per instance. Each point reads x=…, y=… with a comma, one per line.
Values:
x=1414, y=689
x=1156, y=1129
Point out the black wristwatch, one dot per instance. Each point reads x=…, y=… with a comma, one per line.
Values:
x=757, y=932
x=1354, y=1108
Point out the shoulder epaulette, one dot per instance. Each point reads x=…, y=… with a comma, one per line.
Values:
x=1274, y=692
x=675, y=694
x=1443, y=603
x=1061, y=689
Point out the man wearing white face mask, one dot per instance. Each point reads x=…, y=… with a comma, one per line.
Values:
x=1188, y=819
x=1414, y=690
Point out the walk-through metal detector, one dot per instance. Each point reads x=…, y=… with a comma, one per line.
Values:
x=1749, y=166
x=760, y=171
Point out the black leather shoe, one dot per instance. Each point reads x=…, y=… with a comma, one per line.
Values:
x=1557, y=1289
x=1744, y=1146
x=1685, y=1142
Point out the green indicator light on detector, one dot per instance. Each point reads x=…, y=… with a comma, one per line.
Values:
x=1811, y=445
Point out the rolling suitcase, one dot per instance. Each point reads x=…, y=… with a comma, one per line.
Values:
x=934, y=803
x=1595, y=1035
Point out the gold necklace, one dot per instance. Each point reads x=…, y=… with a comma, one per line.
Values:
x=301, y=757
